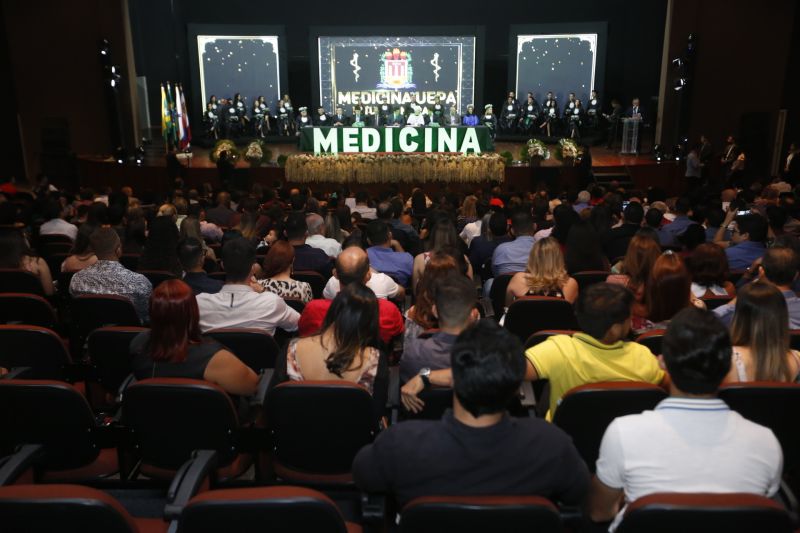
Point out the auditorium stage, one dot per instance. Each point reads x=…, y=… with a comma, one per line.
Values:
x=640, y=171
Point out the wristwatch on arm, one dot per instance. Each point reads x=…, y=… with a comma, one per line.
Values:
x=425, y=375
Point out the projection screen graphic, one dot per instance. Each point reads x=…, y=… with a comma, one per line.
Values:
x=561, y=63
x=377, y=70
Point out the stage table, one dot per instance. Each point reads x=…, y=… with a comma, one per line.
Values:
x=407, y=139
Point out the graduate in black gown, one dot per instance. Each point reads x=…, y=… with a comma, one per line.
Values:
x=593, y=110
x=382, y=115
x=489, y=119
x=303, y=120
x=396, y=118
x=613, y=119
x=241, y=111
x=509, y=115
x=549, y=114
x=437, y=112
x=284, y=116
x=260, y=117
x=211, y=122
x=530, y=115
x=575, y=119
x=322, y=118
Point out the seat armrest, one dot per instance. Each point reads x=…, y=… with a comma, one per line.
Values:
x=263, y=386
x=188, y=480
x=786, y=497
x=16, y=465
x=526, y=395
x=130, y=380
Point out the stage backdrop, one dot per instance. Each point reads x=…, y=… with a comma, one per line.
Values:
x=562, y=58
x=387, y=69
x=237, y=59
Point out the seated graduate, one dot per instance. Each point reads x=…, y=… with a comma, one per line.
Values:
x=476, y=448
x=470, y=118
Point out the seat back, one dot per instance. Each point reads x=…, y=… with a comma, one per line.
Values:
x=253, y=347
x=653, y=339
x=297, y=305
x=437, y=401
x=589, y=277
x=39, y=348
x=48, y=508
x=701, y=513
x=474, y=514
x=169, y=418
x=130, y=261
x=109, y=354
x=586, y=411
x=315, y=279
x=54, y=261
x=51, y=413
x=303, y=414
x=770, y=404
x=157, y=276
x=261, y=509
x=497, y=294
x=536, y=313
x=18, y=280
x=794, y=339
x=30, y=309
x=92, y=311
x=54, y=237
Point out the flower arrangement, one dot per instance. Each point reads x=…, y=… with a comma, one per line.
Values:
x=390, y=168
x=256, y=155
x=569, y=151
x=507, y=158
x=536, y=149
x=224, y=145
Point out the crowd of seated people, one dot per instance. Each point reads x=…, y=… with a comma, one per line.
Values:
x=353, y=287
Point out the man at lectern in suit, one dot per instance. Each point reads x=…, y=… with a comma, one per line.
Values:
x=339, y=119
x=635, y=110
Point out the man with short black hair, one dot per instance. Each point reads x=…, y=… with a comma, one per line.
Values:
x=748, y=239
x=222, y=214
x=57, y=223
x=692, y=441
x=192, y=256
x=306, y=257
x=511, y=257
x=455, y=311
x=362, y=206
x=398, y=265
x=599, y=352
x=108, y=277
x=779, y=267
x=407, y=236
x=620, y=237
x=477, y=448
x=241, y=302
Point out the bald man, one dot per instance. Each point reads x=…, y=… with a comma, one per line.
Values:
x=352, y=266
x=316, y=236
x=382, y=285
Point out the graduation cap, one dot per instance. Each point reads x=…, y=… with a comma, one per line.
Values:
x=487, y=106
x=303, y=109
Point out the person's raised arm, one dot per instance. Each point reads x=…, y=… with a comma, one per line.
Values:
x=719, y=237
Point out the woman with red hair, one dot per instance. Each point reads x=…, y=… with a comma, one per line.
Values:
x=669, y=290
x=174, y=348
x=277, y=276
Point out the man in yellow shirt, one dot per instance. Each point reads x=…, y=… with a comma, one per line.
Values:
x=598, y=352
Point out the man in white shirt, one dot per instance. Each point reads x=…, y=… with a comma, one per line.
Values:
x=692, y=441
x=316, y=236
x=242, y=303
x=362, y=206
x=382, y=285
x=58, y=225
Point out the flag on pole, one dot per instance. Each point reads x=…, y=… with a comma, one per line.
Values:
x=178, y=118
x=166, y=117
x=186, y=131
x=172, y=131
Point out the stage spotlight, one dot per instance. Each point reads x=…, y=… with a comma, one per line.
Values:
x=678, y=152
x=105, y=48
x=119, y=155
x=658, y=152
x=680, y=84
x=678, y=63
x=139, y=155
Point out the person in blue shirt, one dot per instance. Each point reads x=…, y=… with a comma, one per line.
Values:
x=192, y=257
x=669, y=233
x=382, y=257
x=511, y=257
x=747, y=241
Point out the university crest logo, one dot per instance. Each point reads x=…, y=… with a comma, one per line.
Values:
x=396, y=70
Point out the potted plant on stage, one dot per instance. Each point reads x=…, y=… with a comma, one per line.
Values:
x=536, y=152
x=256, y=154
x=224, y=145
x=569, y=152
